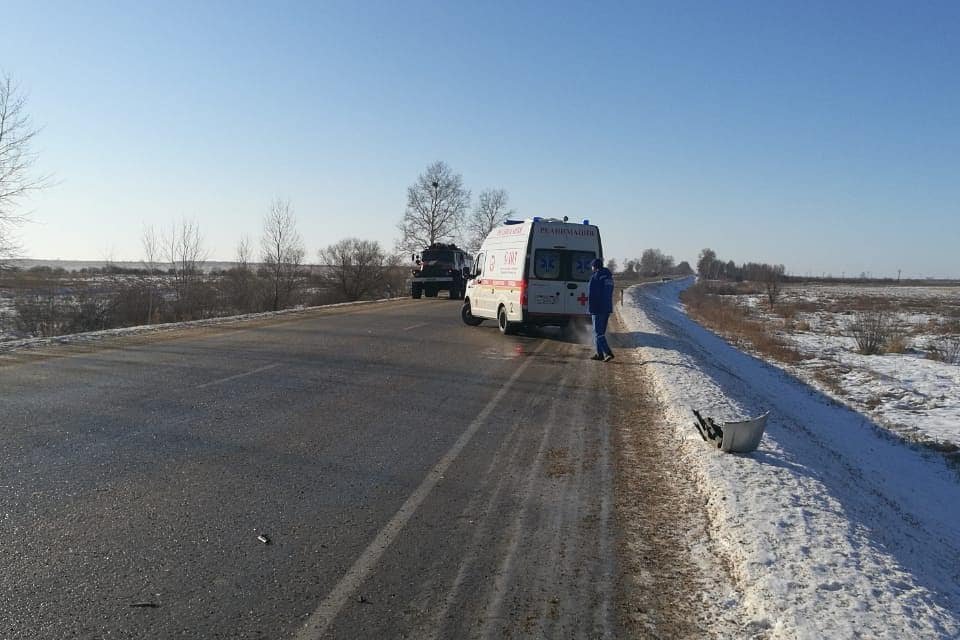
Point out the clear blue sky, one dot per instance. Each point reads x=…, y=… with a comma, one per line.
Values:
x=824, y=136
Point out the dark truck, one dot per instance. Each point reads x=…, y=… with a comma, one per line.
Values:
x=441, y=267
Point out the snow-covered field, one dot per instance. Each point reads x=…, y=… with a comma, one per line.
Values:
x=833, y=528
x=908, y=392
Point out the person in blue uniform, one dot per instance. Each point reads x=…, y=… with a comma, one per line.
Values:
x=600, y=307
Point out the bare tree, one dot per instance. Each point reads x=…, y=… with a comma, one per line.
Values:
x=436, y=205
x=355, y=268
x=151, y=249
x=612, y=265
x=772, y=281
x=244, y=253
x=183, y=249
x=283, y=252
x=151, y=262
x=491, y=211
x=16, y=162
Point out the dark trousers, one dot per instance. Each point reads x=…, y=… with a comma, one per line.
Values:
x=600, y=332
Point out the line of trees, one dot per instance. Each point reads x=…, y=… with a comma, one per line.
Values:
x=652, y=263
x=710, y=267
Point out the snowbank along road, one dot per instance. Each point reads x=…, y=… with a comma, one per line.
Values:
x=832, y=529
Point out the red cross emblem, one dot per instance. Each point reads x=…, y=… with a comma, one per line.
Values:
x=582, y=299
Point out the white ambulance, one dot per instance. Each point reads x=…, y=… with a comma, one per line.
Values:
x=532, y=272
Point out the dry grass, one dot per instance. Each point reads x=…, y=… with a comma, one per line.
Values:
x=898, y=342
x=726, y=317
x=829, y=379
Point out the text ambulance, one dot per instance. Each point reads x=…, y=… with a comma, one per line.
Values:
x=532, y=272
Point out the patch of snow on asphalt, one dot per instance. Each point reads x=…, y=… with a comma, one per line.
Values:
x=833, y=527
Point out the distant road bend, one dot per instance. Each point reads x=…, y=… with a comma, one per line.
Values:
x=378, y=471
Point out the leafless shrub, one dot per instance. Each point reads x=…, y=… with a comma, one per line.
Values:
x=39, y=313
x=871, y=330
x=355, y=269
x=945, y=349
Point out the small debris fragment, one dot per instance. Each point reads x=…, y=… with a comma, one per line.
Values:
x=363, y=600
x=145, y=605
x=263, y=538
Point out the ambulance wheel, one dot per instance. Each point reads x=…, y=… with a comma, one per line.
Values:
x=506, y=327
x=416, y=292
x=467, y=315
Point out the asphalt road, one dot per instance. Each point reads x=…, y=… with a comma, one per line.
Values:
x=415, y=478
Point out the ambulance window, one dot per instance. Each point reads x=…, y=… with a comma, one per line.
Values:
x=580, y=265
x=478, y=269
x=546, y=264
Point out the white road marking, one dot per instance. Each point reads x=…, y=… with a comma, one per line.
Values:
x=239, y=375
x=331, y=606
x=416, y=326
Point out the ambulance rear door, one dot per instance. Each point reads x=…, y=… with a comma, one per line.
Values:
x=577, y=284
x=545, y=288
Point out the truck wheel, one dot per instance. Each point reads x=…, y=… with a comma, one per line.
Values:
x=506, y=327
x=416, y=291
x=455, y=293
x=431, y=292
x=466, y=314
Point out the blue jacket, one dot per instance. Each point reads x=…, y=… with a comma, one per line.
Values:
x=601, y=291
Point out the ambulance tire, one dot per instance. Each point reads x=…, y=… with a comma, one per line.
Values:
x=467, y=316
x=506, y=327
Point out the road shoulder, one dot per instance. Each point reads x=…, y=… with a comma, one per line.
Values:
x=670, y=584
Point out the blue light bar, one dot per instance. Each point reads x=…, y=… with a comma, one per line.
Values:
x=537, y=218
x=585, y=221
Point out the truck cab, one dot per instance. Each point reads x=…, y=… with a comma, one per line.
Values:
x=440, y=267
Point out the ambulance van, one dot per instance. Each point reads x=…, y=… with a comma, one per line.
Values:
x=532, y=272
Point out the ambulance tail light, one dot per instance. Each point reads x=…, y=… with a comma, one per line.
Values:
x=523, y=294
